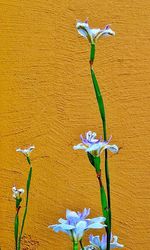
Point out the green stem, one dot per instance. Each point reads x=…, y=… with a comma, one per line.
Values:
x=109, y=200
x=103, y=197
x=108, y=188
x=92, y=54
x=26, y=208
x=75, y=245
x=16, y=226
x=102, y=114
x=81, y=244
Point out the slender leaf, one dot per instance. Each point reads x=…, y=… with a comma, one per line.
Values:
x=18, y=201
x=29, y=181
x=91, y=159
x=28, y=160
x=98, y=95
x=92, y=54
x=104, y=203
x=16, y=230
x=97, y=163
x=102, y=114
x=26, y=208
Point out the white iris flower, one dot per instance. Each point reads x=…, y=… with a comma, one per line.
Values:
x=93, y=34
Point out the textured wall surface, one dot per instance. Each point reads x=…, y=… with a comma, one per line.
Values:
x=47, y=99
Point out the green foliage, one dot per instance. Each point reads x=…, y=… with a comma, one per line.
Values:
x=75, y=245
x=16, y=227
x=105, y=200
x=92, y=54
x=26, y=208
x=97, y=163
x=104, y=203
x=18, y=201
x=98, y=95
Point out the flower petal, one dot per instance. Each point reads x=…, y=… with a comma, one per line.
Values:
x=21, y=190
x=90, y=247
x=95, y=32
x=79, y=230
x=80, y=146
x=25, y=151
x=98, y=219
x=107, y=31
x=60, y=227
x=83, y=29
x=96, y=225
x=82, y=32
x=95, y=240
x=62, y=221
x=17, y=192
x=67, y=227
x=115, y=243
x=14, y=189
x=113, y=148
x=71, y=214
x=104, y=241
x=96, y=146
x=85, y=213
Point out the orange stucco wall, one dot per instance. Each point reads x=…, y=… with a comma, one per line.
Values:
x=47, y=99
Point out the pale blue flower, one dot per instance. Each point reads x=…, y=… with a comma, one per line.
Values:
x=93, y=34
x=95, y=146
x=102, y=244
x=76, y=223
